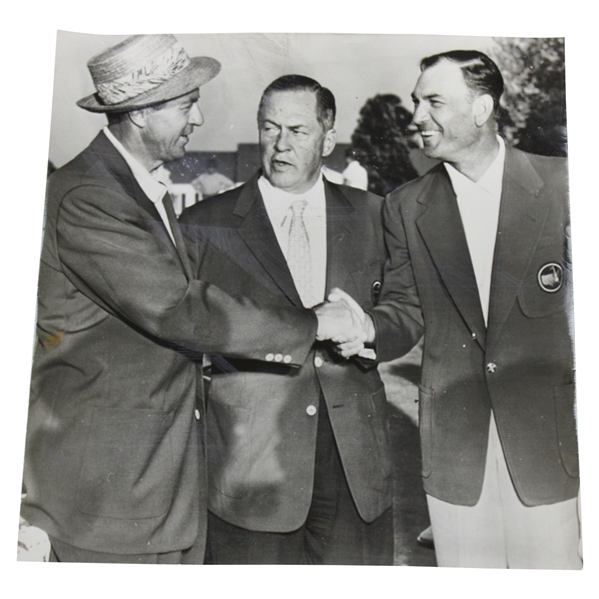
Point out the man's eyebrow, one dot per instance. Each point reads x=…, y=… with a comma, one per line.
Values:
x=432, y=96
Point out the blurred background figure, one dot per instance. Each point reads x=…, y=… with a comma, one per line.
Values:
x=212, y=182
x=332, y=175
x=355, y=174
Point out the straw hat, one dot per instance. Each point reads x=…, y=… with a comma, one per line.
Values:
x=144, y=70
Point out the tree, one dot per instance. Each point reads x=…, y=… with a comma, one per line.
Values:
x=533, y=69
x=381, y=143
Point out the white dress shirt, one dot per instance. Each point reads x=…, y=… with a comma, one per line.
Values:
x=479, y=203
x=149, y=183
x=278, y=207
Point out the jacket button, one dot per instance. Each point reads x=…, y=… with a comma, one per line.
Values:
x=197, y=414
x=311, y=410
x=318, y=361
x=473, y=335
x=491, y=367
x=287, y=359
x=279, y=358
x=269, y=357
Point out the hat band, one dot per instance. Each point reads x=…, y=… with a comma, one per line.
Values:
x=159, y=70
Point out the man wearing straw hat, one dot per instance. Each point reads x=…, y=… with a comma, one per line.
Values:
x=113, y=467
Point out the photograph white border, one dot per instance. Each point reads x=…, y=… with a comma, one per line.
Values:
x=27, y=40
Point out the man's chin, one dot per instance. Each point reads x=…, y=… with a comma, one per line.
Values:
x=176, y=154
x=430, y=152
x=280, y=180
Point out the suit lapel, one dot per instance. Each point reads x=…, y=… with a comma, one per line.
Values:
x=256, y=231
x=441, y=228
x=521, y=219
x=339, y=256
x=119, y=168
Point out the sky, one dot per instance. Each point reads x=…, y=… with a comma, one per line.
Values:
x=28, y=30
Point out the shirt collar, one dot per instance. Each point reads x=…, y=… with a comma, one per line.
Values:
x=149, y=185
x=490, y=181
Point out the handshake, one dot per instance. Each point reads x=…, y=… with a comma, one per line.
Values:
x=342, y=321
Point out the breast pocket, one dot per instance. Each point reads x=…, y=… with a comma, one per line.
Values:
x=546, y=288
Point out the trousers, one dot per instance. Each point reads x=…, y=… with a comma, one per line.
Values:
x=499, y=531
x=333, y=533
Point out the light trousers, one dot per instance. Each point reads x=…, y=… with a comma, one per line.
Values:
x=501, y=532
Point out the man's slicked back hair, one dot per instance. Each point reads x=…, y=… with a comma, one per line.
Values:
x=480, y=73
x=325, y=101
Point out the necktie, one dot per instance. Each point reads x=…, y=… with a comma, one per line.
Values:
x=177, y=235
x=299, y=258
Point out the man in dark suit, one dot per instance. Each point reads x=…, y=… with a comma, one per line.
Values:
x=479, y=255
x=298, y=461
x=114, y=468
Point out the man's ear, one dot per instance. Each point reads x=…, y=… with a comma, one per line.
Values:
x=330, y=139
x=138, y=117
x=483, y=109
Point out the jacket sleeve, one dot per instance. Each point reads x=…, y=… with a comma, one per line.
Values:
x=397, y=316
x=109, y=252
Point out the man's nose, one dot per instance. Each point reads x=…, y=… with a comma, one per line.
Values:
x=420, y=115
x=196, y=118
x=282, y=141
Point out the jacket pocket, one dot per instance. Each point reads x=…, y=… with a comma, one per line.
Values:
x=567, y=434
x=426, y=420
x=127, y=467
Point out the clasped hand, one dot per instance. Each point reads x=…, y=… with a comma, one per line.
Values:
x=343, y=321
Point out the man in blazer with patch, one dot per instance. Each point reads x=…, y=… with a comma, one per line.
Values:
x=298, y=460
x=479, y=255
x=114, y=468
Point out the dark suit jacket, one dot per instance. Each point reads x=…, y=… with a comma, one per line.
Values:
x=520, y=365
x=112, y=458
x=260, y=439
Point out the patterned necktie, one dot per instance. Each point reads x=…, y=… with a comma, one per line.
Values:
x=299, y=258
x=177, y=235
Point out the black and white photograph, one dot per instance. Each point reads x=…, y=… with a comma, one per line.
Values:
x=304, y=298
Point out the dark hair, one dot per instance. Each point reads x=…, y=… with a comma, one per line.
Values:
x=116, y=118
x=325, y=101
x=480, y=73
